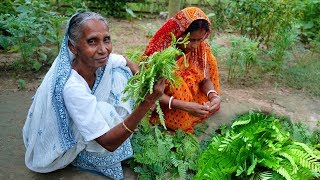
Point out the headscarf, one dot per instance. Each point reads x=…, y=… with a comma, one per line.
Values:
x=49, y=135
x=201, y=64
x=176, y=25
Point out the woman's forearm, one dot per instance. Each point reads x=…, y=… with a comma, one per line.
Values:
x=206, y=85
x=112, y=139
x=175, y=103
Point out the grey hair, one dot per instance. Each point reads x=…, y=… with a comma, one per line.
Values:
x=74, y=31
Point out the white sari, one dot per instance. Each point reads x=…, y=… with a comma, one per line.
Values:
x=52, y=140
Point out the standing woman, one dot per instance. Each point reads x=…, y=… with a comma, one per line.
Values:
x=77, y=115
x=197, y=97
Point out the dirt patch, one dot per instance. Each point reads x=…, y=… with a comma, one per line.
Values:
x=14, y=104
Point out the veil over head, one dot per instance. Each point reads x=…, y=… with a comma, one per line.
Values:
x=176, y=25
x=49, y=134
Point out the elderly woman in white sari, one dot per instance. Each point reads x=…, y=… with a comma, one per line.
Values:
x=77, y=115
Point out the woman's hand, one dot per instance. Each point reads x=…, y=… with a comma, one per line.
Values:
x=158, y=89
x=214, y=103
x=196, y=109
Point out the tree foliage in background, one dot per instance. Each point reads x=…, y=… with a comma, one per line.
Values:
x=7, y=7
x=217, y=11
x=28, y=29
x=110, y=7
x=309, y=21
x=173, y=7
x=31, y=28
x=261, y=19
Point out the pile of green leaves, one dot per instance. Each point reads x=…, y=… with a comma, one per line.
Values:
x=160, y=155
x=255, y=146
x=158, y=65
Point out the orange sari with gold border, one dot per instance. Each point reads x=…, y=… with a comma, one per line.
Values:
x=201, y=64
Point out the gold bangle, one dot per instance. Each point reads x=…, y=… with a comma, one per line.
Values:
x=126, y=127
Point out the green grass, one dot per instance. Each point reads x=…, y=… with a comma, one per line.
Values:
x=304, y=75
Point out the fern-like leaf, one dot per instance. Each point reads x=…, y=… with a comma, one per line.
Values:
x=266, y=175
x=291, y=160
x=238, y=123
x=160, y=113
x=283, y=172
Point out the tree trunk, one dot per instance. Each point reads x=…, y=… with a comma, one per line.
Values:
x=174, y=7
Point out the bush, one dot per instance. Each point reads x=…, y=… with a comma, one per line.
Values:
x=309, y=21
x=261, y=19
x=29, y=32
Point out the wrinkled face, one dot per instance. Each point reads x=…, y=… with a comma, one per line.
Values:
x=194, y=40
x=94, y=45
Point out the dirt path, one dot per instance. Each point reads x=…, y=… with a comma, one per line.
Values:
x=14, y=105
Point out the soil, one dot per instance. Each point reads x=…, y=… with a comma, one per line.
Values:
x=236, y=99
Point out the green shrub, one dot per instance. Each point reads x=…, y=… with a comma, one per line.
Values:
x=110, y=7
x=279, y=52
x=260, y=19
x=29, y=32
x=243, y=56
x=309, y=21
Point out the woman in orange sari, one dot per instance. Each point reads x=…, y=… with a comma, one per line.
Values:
x=197, y=97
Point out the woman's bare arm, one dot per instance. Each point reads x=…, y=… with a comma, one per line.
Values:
x=112, y=139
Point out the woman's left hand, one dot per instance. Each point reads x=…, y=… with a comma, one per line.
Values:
x=214, y=103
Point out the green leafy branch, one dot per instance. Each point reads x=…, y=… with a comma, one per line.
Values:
x=158, y=65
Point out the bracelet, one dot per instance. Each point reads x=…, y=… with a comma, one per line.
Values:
x=129, y=130
x=215, y=96
x=170, y=101
x=211, y=91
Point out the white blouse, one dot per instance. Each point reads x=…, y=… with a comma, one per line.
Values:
x=82, y=107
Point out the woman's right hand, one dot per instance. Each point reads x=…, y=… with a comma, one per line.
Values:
x=196, y=109
x=158, y=89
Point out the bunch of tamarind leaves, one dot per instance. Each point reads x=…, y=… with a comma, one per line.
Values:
x=158, y=65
